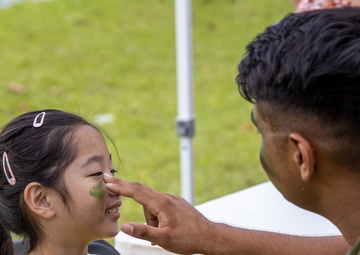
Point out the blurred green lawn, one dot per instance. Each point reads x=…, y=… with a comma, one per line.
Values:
x=96, y=57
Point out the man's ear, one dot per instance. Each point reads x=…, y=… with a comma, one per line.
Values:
x=303, y=155
x=39, y=200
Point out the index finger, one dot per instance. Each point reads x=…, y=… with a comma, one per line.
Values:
x=137, y=191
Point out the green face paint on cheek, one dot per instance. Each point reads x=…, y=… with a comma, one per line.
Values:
x=99, y=190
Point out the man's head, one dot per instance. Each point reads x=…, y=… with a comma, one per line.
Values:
x=303, y=74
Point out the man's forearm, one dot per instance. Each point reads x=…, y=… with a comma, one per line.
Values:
x=227, y=240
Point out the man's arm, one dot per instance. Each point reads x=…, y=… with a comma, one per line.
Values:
x=232, y=240
x=177, y=226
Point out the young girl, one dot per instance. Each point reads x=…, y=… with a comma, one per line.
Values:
x=51, y=188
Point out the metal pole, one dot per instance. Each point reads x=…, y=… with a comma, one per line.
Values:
x=185, y=119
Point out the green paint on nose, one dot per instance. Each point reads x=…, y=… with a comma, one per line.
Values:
x=98, y=191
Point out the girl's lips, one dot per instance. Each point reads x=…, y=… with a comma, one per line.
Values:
x=114, y=208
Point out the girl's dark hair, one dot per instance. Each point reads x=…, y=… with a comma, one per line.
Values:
x=35, y=154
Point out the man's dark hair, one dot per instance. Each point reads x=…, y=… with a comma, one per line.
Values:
x=308, y=64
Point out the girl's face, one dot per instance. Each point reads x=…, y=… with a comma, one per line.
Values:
x=92, y=212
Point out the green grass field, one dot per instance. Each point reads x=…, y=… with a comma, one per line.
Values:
x=117, y=57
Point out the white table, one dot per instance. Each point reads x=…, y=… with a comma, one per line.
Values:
x=260, y=207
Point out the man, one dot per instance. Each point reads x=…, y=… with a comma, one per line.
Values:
x=303, y=76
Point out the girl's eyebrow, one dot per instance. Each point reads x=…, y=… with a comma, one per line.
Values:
x=93, y=159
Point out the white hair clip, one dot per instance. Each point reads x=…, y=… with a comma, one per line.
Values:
x=11, y=180
x=39, y=120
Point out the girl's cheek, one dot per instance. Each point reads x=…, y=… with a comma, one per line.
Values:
x=98, y=191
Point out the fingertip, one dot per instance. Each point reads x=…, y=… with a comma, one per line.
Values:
x=128, y=229
x=109, y=185
x=108, y=176
x=112, y=193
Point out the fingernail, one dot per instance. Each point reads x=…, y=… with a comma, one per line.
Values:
x=128, y=228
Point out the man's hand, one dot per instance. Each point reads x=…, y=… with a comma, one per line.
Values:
x=177, y=226
x=172, y=222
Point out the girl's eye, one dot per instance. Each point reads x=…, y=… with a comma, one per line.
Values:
x=113, y=171
x=97, y=174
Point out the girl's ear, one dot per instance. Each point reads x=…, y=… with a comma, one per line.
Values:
x=39, y=200
x=303, y=156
